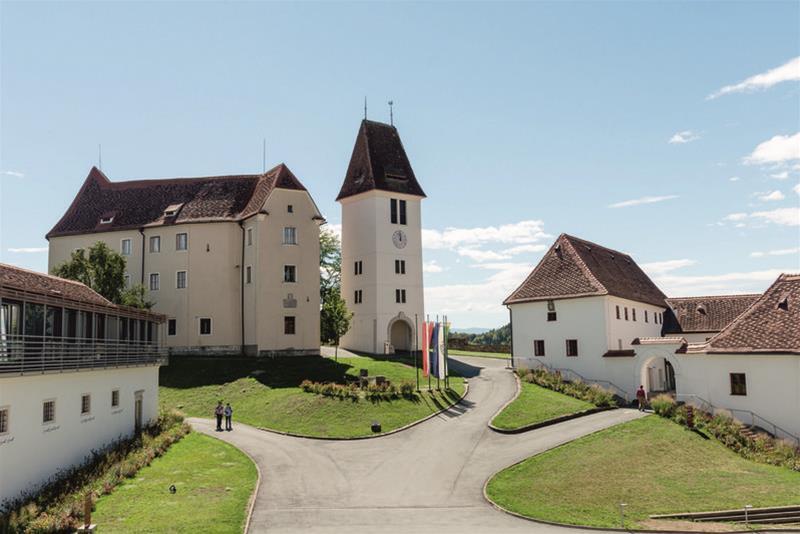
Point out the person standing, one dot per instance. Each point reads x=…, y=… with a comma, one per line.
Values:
x=228, y=417
x=218, y=412
x=641, y=396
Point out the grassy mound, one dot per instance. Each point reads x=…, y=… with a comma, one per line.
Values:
x=536, y=404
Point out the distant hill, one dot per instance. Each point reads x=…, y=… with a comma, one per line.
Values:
x=470, y=330
x=495, y=336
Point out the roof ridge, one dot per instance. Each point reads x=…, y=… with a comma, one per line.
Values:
x=592, y=243
x=736, y=295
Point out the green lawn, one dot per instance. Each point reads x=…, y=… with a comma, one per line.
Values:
x=499, y=355
x=536, y=404
x=652, y=464
x=214, y=482
x=264, y=393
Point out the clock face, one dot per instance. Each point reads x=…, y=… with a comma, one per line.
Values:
x=399, y=239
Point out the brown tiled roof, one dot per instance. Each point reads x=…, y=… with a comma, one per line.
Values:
x=577, y=268
x=770, y=325
x=379, y=161
x=140, y=203
x=50, y=286
x=704, y=314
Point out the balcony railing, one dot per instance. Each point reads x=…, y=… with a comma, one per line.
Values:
x=25, y=354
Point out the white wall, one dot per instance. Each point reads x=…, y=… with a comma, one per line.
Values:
x=31, y=452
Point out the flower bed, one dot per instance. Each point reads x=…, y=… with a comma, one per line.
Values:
x=354, y=392
x=592, y=393
x=758, y=447
x=58, y=505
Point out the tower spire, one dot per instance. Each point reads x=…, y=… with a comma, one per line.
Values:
x=365, y=107
x=391, y=112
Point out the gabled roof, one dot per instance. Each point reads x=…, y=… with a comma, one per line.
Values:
x=704, y=314
x=102, y=205
x=49, y=286
x=770, y=325
x=574, y=267
x=379, y=161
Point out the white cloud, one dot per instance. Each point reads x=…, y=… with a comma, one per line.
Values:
x=656, y=268
x=781, y=216
x=772, y=195
x=686, y=136
x=483, y=297
x=523, y=249
x=735, y=217
x=796, y=189
x=28, y=250
x=789, y=71
x=523, y=232
x=13, y=174
x=719, y=284
x=734, y=178
x=778, y=252
x=432, y=267
x=642, y=200
x=779, y=149
x=481, y=255
x=780, y=175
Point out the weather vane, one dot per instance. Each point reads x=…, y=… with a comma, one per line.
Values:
x=391, y=112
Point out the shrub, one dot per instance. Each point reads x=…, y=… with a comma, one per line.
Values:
x=591, y=393
x=663, y=405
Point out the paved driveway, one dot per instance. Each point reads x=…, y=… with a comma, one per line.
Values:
x=426, y=479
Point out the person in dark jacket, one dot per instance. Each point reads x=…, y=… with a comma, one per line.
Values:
x=228, y=417
x=218, y=412
x=641, y=396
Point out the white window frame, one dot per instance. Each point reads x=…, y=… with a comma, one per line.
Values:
x=200, y=326
x=290, y=231
x=154, y=239
x=248, y=274
x=89, y=411
x=150, y=281
x=122, y=246
x=113, y=391
x=106, y=220
x=185, y=279
x=6, y=409
x=250, y=236
x=177, y=241
x=55, y=413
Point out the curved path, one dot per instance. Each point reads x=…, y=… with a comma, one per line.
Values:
x=428, y=478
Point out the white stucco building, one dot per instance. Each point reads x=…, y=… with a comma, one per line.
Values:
x=381, y=243
x=591, y=313
x=76, y=373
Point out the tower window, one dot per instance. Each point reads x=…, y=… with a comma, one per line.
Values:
x=399, y=266
x=400, y=296
x=402, y=212
x=358, y=268
x=358, y=297
x=393, y=209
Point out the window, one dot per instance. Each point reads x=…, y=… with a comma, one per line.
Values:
x=155, y=243
x=4, y=420
x=48, y=411
x=551, y=316
x=172, y=327
x=290, y=235
x=738, y=384
x=400, y=296
x=399, y=266
x=114, y=398
x=359, y=268
x=205, y=326
x=289, y=209
x=127, y=280
x=572, y=347
x=182, y=241
x=172, y=210
x=617, y=312
x=633, y=313
x=288, y=325
x=248, y=274
x=393, y=209
x=357, y=298
x=645, y=316
x=125, y=247
x=180, y=279
x=154, y=282
x=538, y=347
x=402, y=212
x=86, y=404
x=289, y=274
x=249, y=236
x=107, y=219
x=626, y=313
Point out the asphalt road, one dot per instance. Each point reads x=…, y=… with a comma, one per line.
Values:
x=428, y=478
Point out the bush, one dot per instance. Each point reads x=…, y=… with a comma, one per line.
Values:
x=663, y=405
x=372, y=392
x=591, y=393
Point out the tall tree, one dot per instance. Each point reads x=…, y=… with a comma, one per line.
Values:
x=330, y=264
x=335, y=320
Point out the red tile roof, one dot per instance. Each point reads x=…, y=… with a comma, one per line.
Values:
x=770, y=325
x=704, y=314
x=51, y=286
x=379, y=161
x=139, y=203
x=574, y=267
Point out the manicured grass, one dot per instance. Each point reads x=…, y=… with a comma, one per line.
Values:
x=214, y=482
x=652, y=464
x=536, y=404
x=264, y=393
x=498, y=355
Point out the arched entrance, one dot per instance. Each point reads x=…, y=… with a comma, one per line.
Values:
x=401, y=334
x=657, y=375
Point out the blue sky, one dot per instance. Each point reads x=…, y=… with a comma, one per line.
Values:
x=522, y=121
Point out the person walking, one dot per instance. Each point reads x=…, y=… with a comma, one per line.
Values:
x=228, y=417
x=641, y=396
x=218, y=412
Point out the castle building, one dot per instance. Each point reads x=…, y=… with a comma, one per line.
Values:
x=231, y=261
x=381, y=203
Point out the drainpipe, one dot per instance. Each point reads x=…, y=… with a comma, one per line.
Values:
x=141, y=231
x=511, y=333
x=241, y=281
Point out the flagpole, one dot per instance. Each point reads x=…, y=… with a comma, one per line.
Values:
x=416, y=347
x=429, y=360
x=438, y=371
x=446, y=354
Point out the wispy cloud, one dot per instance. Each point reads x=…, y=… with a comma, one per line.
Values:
x=779, y=149
x=13, y=174
x=432, y=267
x=676, y=285
x=482, y=255
x=778, y=252
x=780, y=175
x=642, y=200
x=28, y=250
x=519, y=233
x=660, y=267
x=734, y=178
x=796, y=189
x=524, y=249
x=779, y=216
x=770, y=196
x=486, y=296
x=686, y=136
x=789, y=71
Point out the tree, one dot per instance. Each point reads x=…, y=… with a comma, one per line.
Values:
x=104, y=271
x=330, y=264
x=335, y=319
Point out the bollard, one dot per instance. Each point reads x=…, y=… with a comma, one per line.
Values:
x=622, y=506
x=747, y=508
x=689, y=416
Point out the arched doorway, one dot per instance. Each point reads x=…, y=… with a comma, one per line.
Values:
x=657, y=375
x=401, y=334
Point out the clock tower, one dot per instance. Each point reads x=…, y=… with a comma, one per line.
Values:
x=381, y=243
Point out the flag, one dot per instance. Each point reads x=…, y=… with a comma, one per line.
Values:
x=426, y=338
x=440, y=351
x=434, y=353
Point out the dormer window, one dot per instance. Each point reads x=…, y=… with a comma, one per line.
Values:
x=701, y=309
x=107, y=220
x=783, y=303
x=172, y=210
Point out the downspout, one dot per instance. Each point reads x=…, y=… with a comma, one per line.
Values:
x=241, y=281
x=511, y=333
x=141, y=231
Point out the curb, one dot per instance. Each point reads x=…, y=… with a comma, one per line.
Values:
x=382, y=434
